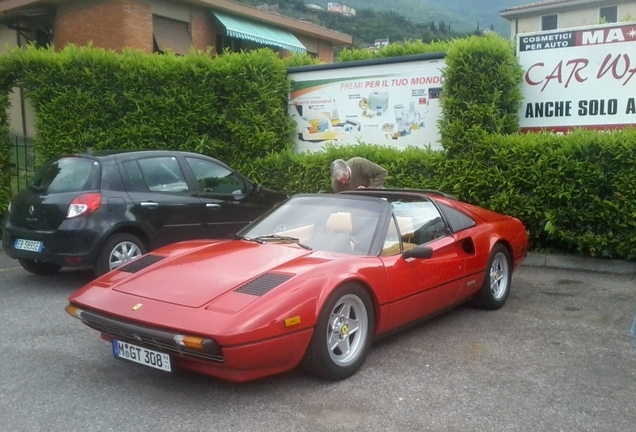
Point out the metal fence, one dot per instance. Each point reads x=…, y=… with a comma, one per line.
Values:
x=22, y=162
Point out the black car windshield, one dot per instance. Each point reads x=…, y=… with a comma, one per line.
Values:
x=67, y=174
x=326, y=223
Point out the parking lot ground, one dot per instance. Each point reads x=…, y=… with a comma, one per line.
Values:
x=557, y=357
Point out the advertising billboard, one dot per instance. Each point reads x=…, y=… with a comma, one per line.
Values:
x=581, y=77
x=392, y=102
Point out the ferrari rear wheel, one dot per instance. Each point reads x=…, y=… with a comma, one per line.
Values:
x=496, y=287
x=343, y=335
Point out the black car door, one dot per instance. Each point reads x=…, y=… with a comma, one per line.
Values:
x=164, y=203
x=228, y=198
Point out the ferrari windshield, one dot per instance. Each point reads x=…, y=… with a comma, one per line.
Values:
x=328, y=223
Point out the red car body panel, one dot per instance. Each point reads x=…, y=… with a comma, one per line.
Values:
x=192, y=290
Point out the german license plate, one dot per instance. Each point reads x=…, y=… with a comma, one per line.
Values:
x=141, y=355
x=28, y=245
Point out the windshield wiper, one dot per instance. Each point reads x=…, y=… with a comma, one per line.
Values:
x=240, y=237
x=283, y=238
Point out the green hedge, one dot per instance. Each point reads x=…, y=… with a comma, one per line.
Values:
x=309, y=172
x=481, y=93
x=232, y=106
x=575, y=193
x=5, y=148
x=395, y=50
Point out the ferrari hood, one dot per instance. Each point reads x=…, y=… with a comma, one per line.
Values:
x=198, y=277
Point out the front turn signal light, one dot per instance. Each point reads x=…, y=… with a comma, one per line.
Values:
x=74, y=311
x=194, y=342
x=292, y=321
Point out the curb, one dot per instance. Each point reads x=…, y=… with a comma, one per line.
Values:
x=598, y=265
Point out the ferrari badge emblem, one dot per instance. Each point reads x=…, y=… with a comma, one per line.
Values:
x=345, y=329
x=137, y=306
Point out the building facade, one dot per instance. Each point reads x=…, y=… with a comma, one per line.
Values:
x=560, y=14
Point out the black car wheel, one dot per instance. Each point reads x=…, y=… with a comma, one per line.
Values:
x=117, y=251
x=343, y=334
x=40, y=268
x=496, y=287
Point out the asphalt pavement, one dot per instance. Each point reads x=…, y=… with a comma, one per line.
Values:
x=557, y=357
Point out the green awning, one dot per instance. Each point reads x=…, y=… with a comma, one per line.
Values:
x=260, y=33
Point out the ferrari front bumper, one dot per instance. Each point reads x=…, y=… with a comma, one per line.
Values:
x=233, y=362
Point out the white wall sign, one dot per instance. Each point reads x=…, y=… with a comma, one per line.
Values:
x=392, y=104
x=582, y=77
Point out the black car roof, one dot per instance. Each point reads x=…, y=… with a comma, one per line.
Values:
x=107, y=154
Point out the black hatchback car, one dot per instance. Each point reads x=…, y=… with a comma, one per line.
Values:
x=103, y=209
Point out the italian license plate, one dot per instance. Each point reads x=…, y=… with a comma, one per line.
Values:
x=28, y=245
x=141, y=355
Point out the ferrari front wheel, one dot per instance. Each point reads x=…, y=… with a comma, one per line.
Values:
x=343, y=334
x=496, y=287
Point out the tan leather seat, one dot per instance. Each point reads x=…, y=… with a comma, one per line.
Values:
x=339, y=228
x=340, y=222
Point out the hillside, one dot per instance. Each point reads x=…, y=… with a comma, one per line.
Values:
x=400, y=20
x=462, y=15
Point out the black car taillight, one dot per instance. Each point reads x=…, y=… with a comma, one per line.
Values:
x=83, y=205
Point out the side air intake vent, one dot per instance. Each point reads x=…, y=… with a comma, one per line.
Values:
x=263, y=284
x=457, y=220
x=141, y=263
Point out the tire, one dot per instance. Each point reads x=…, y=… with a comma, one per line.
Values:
x=40, y=268
x=346, y=324
x=496, y=287
x=117, y=251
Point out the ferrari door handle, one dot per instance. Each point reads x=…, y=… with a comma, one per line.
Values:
x=149, y=204
x=210, y=205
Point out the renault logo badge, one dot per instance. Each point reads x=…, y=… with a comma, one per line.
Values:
x=31, y=210
x=137, y=306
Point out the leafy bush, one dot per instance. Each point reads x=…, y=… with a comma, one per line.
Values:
x=231, y=106
x=5, y=148
x=575, y=193
x=481, y=93
x=309, y=172
x=394, y=50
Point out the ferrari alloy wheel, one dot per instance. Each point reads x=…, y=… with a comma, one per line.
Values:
x=117, y=251
x=347, y=330
x=40, y=268
x=496, y=287
x=343, y=334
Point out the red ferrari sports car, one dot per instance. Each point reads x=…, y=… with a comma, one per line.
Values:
x=314, y=281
